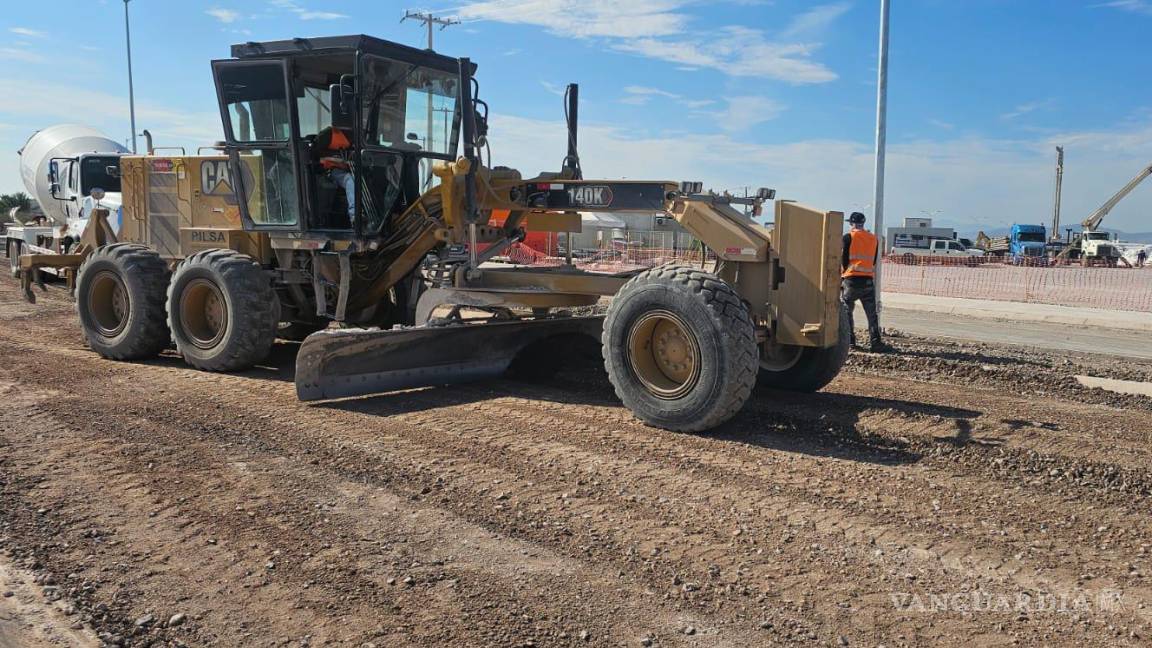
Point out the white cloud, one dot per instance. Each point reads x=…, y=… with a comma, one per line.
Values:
x=304, y=13
x=736, y=51
x=223, y=15
x=641, y=95
x=1135, y=6
x=658, y=29
x=553, y=88
x=31, y=33
x=815, y=21
x=585, y=18
x=20, y=54
x=320, y=15
x=743, y=113
x=57, y=102
x=977, y=182
x=1027, y=108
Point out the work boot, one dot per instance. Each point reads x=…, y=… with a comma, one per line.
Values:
x=880, y=346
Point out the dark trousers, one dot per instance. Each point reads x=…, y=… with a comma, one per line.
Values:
x=862, y=289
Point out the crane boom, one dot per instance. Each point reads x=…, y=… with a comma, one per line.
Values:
x=1093, y=221
x=1055, y=233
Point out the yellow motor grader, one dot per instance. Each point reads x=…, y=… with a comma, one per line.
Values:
x=221, y=254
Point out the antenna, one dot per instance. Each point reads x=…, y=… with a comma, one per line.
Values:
x=430, y=21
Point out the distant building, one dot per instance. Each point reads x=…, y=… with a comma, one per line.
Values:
x=649, y=230
x=917, y=233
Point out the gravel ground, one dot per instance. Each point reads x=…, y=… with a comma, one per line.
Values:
x=943, y=494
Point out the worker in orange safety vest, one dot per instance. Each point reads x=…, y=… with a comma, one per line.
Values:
x=858, y=279
x=334, y=147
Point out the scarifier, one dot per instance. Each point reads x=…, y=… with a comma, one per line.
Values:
x=226, y=252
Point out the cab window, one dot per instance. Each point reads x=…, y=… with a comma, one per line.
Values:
x=257, y=102
x=409, y=107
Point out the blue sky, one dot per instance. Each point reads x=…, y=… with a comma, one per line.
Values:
x=745, y=92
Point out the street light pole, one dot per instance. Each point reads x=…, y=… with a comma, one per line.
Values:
x=131, y=96
x=881, y=137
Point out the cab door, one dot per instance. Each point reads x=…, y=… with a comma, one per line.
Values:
x=259, y=116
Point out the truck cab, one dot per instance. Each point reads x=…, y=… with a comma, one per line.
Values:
x=1028, y=243
x=82, y=183
x=1098, y=245
x=937, y=248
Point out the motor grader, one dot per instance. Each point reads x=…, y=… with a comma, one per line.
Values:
x=223, y=253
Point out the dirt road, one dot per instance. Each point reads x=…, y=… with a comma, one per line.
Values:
x=948, y=494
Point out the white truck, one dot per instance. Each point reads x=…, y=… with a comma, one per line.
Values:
x=936, y=250
x=70, y=170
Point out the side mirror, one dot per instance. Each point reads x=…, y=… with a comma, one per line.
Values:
x=53, y=172
x=112, y=170
x=54, y=188
x=413, y=137
x=347, y=93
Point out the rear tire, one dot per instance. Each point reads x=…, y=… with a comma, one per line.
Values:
x=680, y=349
x=120, y=301
x=222, y=310
x=811, y=368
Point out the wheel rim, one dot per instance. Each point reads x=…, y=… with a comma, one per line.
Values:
x=203, y=313
x=108, y=303
x=779, y=357
x=664, y=355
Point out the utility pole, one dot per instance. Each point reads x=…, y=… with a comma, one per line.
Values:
x=430, y=21
x=131, y=96
x=881, y=138
x=1059, y=182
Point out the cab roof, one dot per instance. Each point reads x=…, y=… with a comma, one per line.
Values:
x=335, y=44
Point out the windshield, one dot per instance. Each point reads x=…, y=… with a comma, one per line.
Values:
x=409, y=107
x=257, y=102
x=1097, y=236
x=94, y=174
x=1031, y=237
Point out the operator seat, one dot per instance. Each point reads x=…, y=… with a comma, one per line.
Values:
x=331, y=203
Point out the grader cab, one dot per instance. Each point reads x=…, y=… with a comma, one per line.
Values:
x=350, y=189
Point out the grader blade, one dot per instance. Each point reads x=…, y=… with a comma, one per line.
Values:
x=342, y=363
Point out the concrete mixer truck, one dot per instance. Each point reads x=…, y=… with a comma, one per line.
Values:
x=70, y=170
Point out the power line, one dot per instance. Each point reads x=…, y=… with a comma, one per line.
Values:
x=430, y=21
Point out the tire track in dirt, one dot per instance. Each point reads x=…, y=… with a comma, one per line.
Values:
x=123, y=481
x=619, y=475
x=418, y=421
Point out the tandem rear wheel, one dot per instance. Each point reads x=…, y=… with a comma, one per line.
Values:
x=120, y=301
x=222, y=310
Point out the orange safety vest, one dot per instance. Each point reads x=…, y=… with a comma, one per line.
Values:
x=339, y=142
x=861, y=254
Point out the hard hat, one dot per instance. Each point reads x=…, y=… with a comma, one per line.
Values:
x=856, y=218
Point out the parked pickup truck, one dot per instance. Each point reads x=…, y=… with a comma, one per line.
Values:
x=937, y=249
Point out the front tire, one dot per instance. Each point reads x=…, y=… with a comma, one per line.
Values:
x=222, y=310
x=805, y=369
x=120, y=301
x=680, y=349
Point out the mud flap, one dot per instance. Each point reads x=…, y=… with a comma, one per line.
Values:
x=355, y=362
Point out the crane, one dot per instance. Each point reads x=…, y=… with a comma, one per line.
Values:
x=1093, y=246
x=1055, y=233
x=1092, y=222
